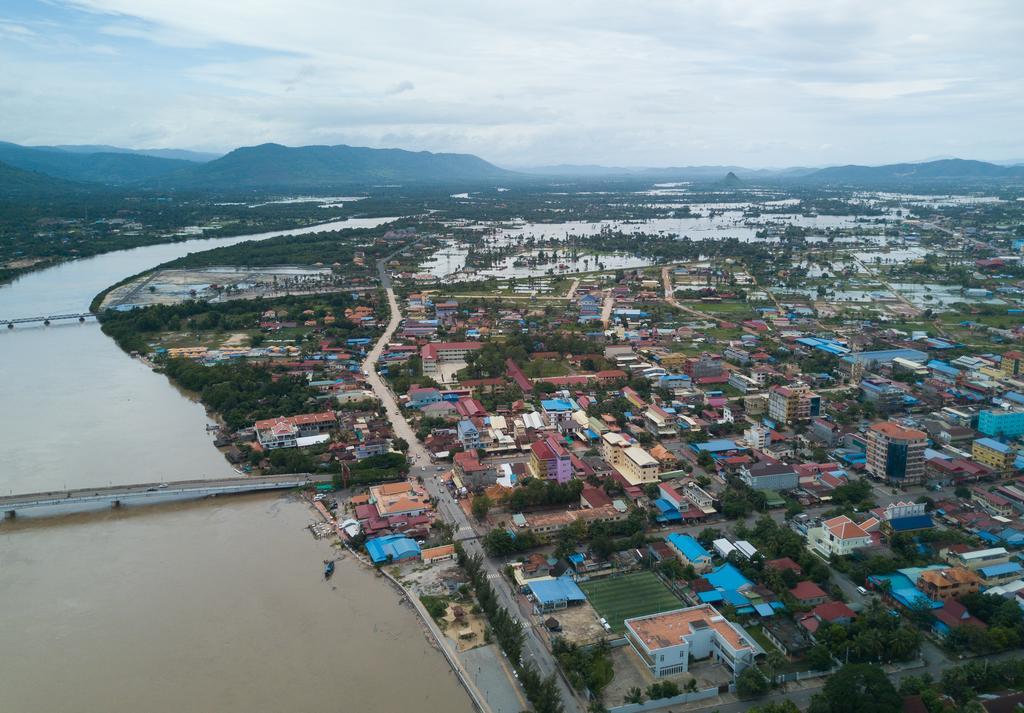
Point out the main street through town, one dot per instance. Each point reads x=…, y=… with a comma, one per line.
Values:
x=422, y=465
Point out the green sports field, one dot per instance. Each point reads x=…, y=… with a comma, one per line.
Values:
x=620, y=598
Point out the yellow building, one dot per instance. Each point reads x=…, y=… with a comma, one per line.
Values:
x=997, y=456
x=635, y=464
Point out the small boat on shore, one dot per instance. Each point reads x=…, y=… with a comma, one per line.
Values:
x=328, y=568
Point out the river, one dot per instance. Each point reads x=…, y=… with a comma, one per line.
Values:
x=205, y=606
x=77, y=410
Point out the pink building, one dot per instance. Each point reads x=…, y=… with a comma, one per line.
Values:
x=549, y=460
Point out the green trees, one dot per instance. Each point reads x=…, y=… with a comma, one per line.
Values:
x=241, y=392
x=481, y=506
x=589, y=669
x=856, y=688
x=663, y=689
x=634, y=695
x=751, y=683
x=786, y=706
x=875, y=636
x=500, y=542
x=535, y=492
x=540, y=691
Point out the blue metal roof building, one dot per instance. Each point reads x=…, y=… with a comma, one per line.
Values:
x=720, y=445
x=554, y=594
x=885, y=356
x=1001, y=570
x=909, y=524
x=689, y=547
x=392, y=548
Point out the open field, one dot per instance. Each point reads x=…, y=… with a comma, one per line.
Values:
x=626, y=597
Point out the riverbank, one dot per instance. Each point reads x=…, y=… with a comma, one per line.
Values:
x=217, y=605
x=437, y=639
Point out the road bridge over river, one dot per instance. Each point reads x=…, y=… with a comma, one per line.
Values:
x=152, y=492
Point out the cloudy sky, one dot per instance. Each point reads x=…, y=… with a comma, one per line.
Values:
x=668, y=82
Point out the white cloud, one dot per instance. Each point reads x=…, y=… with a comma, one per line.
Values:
x=785, y=82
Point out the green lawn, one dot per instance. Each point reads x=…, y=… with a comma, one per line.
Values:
x=621, y=598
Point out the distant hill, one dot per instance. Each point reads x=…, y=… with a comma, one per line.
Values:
x=943, y=170
x=180, y=154
x=666, y=173
x=107, y=168
x=731, y=180
x=17, y=183
x=321, y=167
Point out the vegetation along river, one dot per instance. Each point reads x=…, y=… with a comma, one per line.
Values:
x=205, y=606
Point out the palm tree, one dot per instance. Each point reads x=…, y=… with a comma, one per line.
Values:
x=634, y=695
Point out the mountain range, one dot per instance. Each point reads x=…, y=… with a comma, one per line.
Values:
x=273, y=167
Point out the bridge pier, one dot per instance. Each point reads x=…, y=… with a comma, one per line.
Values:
x=115, y=503
x=10, y=514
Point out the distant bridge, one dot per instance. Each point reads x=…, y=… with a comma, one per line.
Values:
x=80, y=316
x=148, y=492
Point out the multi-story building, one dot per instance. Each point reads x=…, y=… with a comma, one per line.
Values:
x=550, y=461
x=951, y=583
x=1002, y=422
x=886, y=397
x=436, y=353
x=668, y=641
x=789, y=404
x=707, y=365
x=838, y=536
x=742, y=383
x=288, y=431
x=993, y=454
x=660, y=422
x=1012, y=363
x=469, y=435
x=895, y=453
x=769, y=476
x=636, y=465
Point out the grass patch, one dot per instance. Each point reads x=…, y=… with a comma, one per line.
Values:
x=626, y=597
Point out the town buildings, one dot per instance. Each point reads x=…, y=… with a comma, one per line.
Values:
x=669, y=641
x=895, y=453
x=790, y=404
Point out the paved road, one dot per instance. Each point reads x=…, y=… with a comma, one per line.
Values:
x=422, y=465
x=670, y=298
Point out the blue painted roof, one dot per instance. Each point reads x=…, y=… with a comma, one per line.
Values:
x=997, y=570
x=914, y=522
x=727, y=577
x=716, y=446
x=556, y=405
x=764, y=609
x=690, y=548
x=665, y=506
x=554, y=591
x=994, y=445
x=710, y=597
x=735, y=598
x=399, y=547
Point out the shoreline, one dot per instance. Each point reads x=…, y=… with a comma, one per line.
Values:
x=435, y=637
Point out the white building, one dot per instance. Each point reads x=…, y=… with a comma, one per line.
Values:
x=838, y=536
x=667, y=642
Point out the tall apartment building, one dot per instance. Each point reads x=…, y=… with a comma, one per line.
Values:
x=789, y=404
x=895, y=453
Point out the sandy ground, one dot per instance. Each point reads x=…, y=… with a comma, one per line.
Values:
x=580, y=624
x=454, y=629
x=238, y=339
